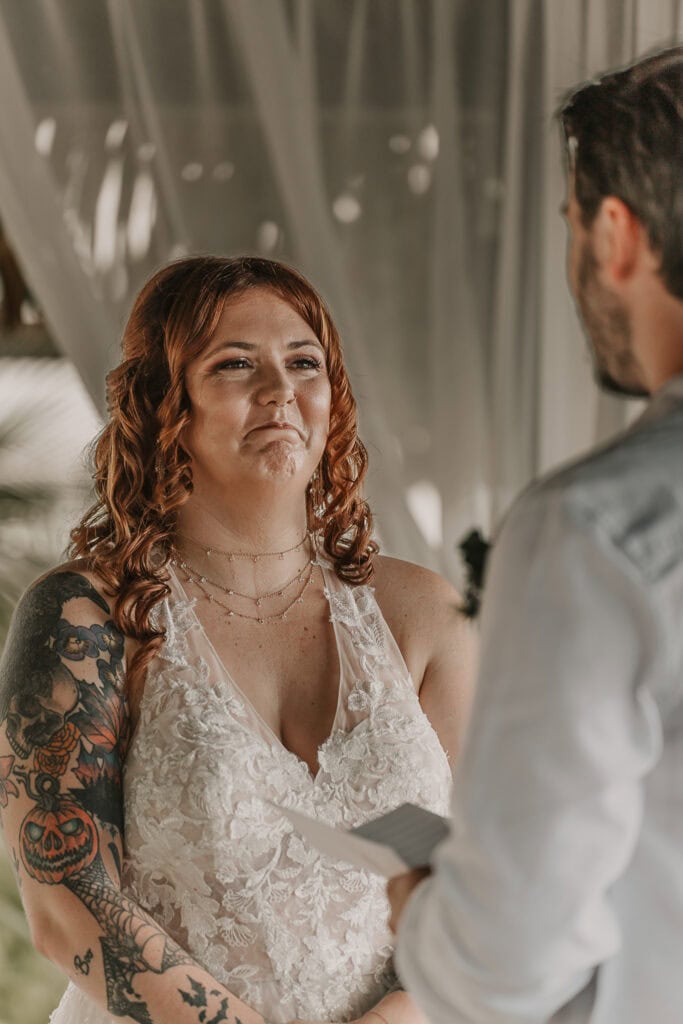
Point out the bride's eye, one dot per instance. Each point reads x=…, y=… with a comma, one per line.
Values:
x=307, y=363
x=238, y=363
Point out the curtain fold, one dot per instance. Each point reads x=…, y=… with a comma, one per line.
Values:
x=515, y=337
x=30, y=207
x=460, y=414
x=141, y=110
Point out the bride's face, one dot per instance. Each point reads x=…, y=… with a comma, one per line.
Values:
x=260, y=397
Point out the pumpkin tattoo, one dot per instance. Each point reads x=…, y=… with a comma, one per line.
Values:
x=58, y=838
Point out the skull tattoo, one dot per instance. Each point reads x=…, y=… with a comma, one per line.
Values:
x=34, y=718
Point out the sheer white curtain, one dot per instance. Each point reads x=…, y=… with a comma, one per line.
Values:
x=401, y=152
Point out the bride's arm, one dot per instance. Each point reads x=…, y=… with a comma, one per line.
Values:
x=63, y=730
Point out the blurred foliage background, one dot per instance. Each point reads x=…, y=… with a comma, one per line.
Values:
x=30, y=986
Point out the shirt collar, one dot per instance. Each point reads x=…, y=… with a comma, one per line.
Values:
x=664, y=400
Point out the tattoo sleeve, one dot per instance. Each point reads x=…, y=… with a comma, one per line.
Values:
x=64, y=730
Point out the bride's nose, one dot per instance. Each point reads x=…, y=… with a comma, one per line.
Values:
x=275, y=387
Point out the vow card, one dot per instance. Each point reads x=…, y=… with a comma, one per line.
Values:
x=389, y=845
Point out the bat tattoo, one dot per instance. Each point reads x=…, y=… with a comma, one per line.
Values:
x=199, y=997
x=82, y=964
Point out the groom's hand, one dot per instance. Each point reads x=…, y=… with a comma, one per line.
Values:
x=399, y=889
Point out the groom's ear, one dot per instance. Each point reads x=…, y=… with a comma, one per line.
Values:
x=620, y=242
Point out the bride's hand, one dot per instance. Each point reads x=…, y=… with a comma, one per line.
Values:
x=396, y=1007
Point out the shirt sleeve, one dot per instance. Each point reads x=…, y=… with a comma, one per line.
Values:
x=548, y=793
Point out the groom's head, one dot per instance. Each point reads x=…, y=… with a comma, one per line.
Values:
x=624, y=143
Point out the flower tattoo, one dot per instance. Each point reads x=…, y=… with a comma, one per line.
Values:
x=75, y=642
x=7, y=787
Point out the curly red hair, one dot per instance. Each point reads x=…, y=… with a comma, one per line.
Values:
x=142, y=473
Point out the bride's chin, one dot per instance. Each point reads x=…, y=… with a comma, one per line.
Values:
x=280, y=461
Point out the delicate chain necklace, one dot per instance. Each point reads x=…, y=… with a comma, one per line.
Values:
x=197, y=577
x=230, y=555
x=230, y=612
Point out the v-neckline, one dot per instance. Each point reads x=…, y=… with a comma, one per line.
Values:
x=239, y=692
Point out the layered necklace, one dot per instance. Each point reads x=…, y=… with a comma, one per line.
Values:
x=254, y=556
x=300, y=581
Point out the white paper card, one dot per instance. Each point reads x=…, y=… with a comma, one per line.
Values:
x=396, y=842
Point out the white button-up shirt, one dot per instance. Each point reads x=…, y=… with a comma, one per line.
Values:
x=561, y=885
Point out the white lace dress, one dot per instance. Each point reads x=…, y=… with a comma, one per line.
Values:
x=292, y=932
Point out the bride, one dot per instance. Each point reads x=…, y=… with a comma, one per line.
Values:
x=213, y=653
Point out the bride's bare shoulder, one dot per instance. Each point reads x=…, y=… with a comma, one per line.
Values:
x=419, y=605
x=404, y=585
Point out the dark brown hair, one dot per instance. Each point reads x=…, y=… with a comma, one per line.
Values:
x=624, y=133
x=142, y=473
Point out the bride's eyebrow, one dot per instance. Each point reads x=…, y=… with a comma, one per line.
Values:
x=247, y=346
x=244, y=346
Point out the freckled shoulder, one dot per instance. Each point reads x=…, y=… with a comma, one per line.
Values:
x=419, y=606
x=403, y=588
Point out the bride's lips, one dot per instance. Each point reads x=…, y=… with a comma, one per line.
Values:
x=275, y=425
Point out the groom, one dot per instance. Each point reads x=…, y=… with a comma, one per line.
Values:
x=560, y=889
